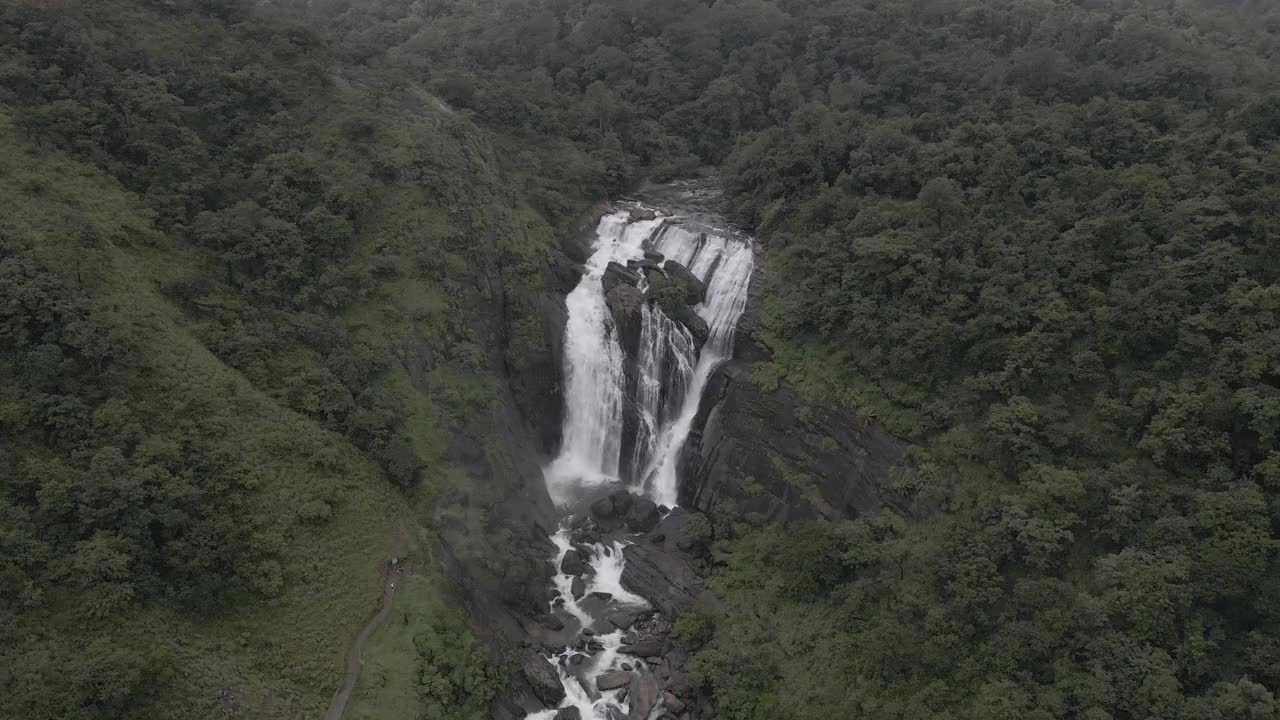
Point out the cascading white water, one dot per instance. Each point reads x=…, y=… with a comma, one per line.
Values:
x=725, y=266
x=665, y=366
x=595, y=373
x=669, y=375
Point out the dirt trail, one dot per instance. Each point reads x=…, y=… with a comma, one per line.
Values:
x=355, y=660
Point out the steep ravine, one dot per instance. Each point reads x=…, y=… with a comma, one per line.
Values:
x=594, y=572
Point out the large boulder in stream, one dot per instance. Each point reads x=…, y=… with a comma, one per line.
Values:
x=612, y=680
x=542, y=678
x=572, y=563
x=569, y=713
x=698, y=328
x=615, y=274
x=642, y=695
x=625, y=304
x=643, y=515
x=695, y=291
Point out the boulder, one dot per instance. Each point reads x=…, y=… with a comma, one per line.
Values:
x=603, y=507
x=625, y=304
x=653, y=256
x=665, y=578
x=643, y=515
x=695, y=291
x=645, y=647
x=623, y=620
x=672, y=703
x=615, y=274
x=621, y=502
x=642, y=213
x=572, y=564
x=697, y=328
x=612, y=680
x=643, y=693
x=542, y=678
x=578, y=587
x=569, y=713
x=553, y=623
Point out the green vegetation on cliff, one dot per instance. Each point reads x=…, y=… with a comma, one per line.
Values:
x=243, y=302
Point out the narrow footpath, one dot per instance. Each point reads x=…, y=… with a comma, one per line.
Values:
x=355, y=658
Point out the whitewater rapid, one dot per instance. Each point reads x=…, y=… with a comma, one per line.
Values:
x=661, y=387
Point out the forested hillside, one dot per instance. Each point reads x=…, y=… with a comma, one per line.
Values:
x=240, y=284
x=1039, y=239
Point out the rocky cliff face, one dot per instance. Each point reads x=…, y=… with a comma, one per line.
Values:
x=751, y=451
x=774, y=455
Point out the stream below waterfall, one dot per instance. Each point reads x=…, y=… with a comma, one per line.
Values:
x=629, y=407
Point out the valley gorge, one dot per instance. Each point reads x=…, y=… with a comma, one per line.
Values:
x=661, y=429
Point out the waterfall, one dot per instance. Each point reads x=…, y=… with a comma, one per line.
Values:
x=595, y=371
x=725, y=266
x=661, y=387
x=669, y=375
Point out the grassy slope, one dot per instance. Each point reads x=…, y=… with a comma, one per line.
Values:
x=280, y=656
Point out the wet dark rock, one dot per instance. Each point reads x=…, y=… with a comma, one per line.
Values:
x=588, y=632
x=662, y=575
x=653, y=256
x=601, y=595
x=572, y=564
x=612, y=680
x=602, y=508
x=678, y=683
x=569, y=713
x=642, y=213
x=616, y=274
x=576, y=659
x=542, y=678
x=698, y=328
x=646, y=647
x=776, y=439
x=625, y=304
x=578, y=588
x=563, y=273
x=643, y=515
x=645, y=265
x=622, y=502
x=658, y=538
x=643, y=693
x=664, y=509
x=695, y=291
x=673, y=703
x=554, y=623
x=623, y=620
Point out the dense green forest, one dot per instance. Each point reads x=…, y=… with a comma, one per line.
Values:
x=219, y=239
x=1039, y=239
